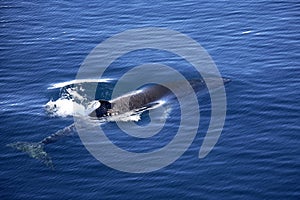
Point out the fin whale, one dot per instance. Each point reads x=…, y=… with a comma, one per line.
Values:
x=138, y=101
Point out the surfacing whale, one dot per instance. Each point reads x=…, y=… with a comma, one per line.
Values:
x=138, y=101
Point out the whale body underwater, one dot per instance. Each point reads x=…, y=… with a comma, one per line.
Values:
x=137, y=102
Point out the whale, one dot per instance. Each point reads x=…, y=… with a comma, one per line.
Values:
x=145, y=98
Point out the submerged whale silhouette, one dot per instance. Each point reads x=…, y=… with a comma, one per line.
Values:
x=137, y=101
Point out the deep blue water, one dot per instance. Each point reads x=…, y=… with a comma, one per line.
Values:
x=254, y=43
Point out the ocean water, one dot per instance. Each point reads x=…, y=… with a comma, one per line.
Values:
x=254, y=43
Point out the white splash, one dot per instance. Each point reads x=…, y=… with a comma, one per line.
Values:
x=75, y=95
x=64, y=108
x=166, y=112
x=70, y=103
x=77, y=81
x=92, y=106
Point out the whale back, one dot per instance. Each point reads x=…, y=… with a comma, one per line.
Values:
x=139, y=99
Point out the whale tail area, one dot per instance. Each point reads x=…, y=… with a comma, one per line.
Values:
x=34, y=150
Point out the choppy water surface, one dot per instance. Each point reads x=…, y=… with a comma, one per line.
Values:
x=255, y=44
